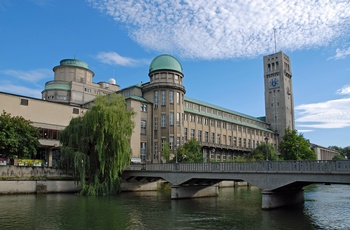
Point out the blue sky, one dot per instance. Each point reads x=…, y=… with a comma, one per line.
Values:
x=219, y=43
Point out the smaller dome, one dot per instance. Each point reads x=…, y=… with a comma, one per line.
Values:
x=112, y=81
x=74, y=62
x=165, y=62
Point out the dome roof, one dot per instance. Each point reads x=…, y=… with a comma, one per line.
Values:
x=74, y=62
x=165, y=62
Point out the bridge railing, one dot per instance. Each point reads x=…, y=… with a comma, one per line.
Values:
x=275, y=166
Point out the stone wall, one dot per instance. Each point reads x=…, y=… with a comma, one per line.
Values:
x=27, y=179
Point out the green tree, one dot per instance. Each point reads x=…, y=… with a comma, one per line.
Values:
x=166, y=152
x=18, y=137
x=259, y=153
x=190, y=152
x=344, y=152
x=295, y=147
x=96, y=146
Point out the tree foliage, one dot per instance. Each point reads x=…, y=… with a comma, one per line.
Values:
x=295, y=147
x=190, y=152
x=166, y=152
x=96, y=146
x=259, y=153
x=343, y=152
x=18, y=137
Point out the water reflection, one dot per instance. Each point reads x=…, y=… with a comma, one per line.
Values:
x=326, y=207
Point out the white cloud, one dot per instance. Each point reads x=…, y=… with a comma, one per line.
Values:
x=344, y=91
x=11, y=88
x=113, y=58
x=324, y=115
x=29, y=76
x=208, y=29
x=341, y=54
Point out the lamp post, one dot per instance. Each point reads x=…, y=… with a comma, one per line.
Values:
x=267, y=150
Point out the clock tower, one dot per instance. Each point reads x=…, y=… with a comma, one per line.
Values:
x=279, y=105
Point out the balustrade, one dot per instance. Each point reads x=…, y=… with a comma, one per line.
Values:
x=275, y=166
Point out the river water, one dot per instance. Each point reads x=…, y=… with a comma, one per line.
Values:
x=325, y=207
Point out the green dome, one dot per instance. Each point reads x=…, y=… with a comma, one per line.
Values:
x=74, y=62
x=165, y=62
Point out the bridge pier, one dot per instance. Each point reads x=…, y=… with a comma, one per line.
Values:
x=277, y=199
x=193, y=191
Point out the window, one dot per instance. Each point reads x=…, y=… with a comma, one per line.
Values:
x=234, y=141
x=177, y=97
x=206, y=137
x=163, y=143
x=199, y=120
x=75, y=111
x=143, y=151
x=212, y=123
x=206, y=121
x=199, y=136
x=155, y=123
x=219, y=138
x=240, y=142
x=229, y=140
x=163, y=121
x=171, y=118
x=218, y=124
x=171, y=143
x=155, y=153
x=155, y=99
x=143, y=127
x=171, y=97
x=143, y=107
x=224, y=125
x=192, y=133
x=185, y=133
x=178, y=119
x=24, y=102
x=163, y=98
x=192, y=118
x=213, y=138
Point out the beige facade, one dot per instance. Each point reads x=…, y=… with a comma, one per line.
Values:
x=163, y=113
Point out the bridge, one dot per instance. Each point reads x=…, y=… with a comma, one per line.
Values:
x=281, y=182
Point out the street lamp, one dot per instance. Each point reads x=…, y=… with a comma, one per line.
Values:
x=267, y=150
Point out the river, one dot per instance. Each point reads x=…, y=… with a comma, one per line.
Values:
x=325, y=207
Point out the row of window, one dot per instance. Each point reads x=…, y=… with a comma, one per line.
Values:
x=222, y=114
x=163, y=95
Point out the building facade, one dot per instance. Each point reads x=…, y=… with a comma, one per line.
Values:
x=163, y=113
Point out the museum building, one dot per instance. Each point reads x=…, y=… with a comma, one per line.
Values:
x=163, y=112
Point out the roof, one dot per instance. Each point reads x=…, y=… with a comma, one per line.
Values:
x=165, y=62
x=74, y=62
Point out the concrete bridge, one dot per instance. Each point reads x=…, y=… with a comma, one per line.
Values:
x=281, y=182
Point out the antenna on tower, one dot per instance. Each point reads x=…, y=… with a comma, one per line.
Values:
x=274, y=37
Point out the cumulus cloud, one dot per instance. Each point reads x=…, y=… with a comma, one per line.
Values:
x=221, y=29
x=11, y=88
x=341, y=54
x=29, y=76
x=344, y=91
x=329, y=114
x=113, y=58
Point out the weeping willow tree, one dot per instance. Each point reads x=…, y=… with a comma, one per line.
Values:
x=96, y=146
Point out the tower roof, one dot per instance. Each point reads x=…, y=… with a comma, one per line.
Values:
x=165, y=62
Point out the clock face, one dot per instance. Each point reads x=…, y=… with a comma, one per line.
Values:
x=274, y=82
